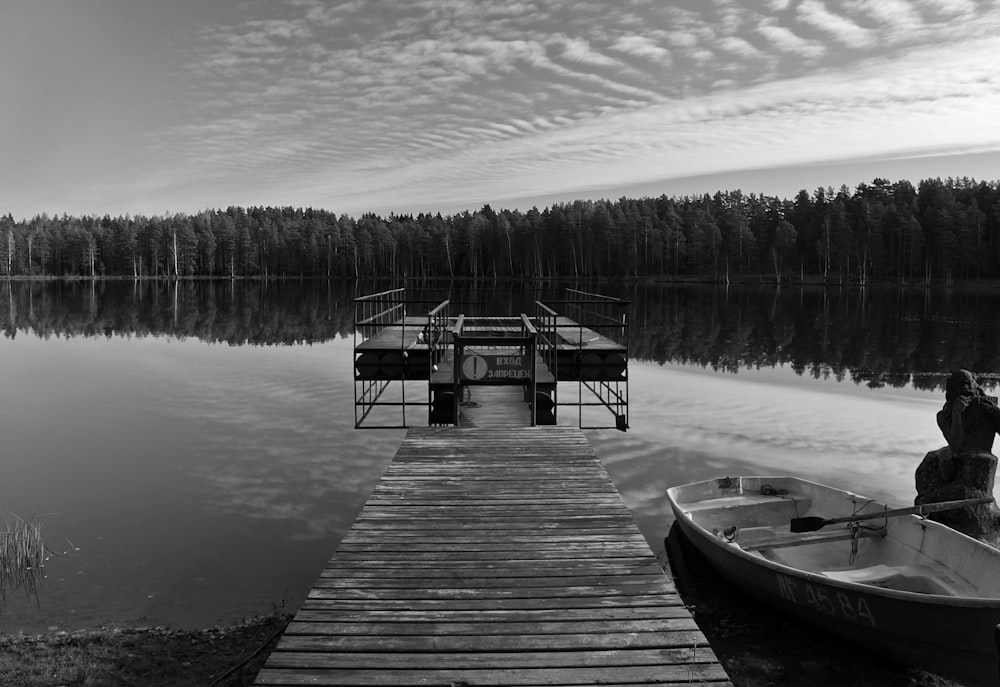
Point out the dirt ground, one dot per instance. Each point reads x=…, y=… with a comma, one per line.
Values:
x=152, y=657
x=760, y=648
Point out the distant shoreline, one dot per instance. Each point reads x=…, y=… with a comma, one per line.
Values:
x=746, y=280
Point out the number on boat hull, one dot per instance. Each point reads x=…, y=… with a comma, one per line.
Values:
x=836, y=603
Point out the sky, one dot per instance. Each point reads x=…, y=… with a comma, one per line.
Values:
x=162, y=106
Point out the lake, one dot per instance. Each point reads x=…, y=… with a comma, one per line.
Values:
x=190, y=446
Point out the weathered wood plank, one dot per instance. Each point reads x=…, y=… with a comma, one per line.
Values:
x=543, y=603
x=512, y=548
x=466, y=661
x=687, y=674
x=493, y=643
x=462, y=629
x=520, y=554
x=406, y=572
x=335, y=581
x=541, y=616
x=457, y=594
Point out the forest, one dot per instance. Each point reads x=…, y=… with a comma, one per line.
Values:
x=940, y=231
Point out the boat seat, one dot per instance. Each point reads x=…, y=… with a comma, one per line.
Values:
x=905, y=578
x=758, y=537
x=744, y=500
x=748, y=511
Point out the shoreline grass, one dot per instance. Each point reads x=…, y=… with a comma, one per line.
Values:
x=23, y=554
x=224, y=656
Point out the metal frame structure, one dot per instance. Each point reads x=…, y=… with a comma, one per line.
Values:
x=425, y=339
x=373, y=314
x=607, y=316
x=525, y=345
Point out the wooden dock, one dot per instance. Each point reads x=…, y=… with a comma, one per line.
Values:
x=487, y=556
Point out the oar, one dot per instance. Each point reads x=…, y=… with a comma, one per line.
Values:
x=813, y=523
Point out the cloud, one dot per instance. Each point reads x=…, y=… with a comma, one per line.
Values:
x=949, y=8
x=786, y=41
x=740, y=47
x=578, y=50
x=845, y=113
x=360, y=103
x=643, y=47
x=898, y=18
x=814, y=13
x=777, y=5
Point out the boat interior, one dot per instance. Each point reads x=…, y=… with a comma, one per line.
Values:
x=906, y=553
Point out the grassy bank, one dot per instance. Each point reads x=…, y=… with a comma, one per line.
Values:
x=153, y=657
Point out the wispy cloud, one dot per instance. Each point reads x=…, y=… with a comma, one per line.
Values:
x=842, y=29
x=365, y=105
x=785, y=40
x=579, y=50
x=641, y=46
x=949, y=8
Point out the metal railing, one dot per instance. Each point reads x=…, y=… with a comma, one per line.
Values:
x=373, y=315
x=436, y=332
x=376, y=311
x=594, y=316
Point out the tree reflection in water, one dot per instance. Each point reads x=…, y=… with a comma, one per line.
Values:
x=873, y=336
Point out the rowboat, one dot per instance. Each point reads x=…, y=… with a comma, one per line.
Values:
x=904, y=586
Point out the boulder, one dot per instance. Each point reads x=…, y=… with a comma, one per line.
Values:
x=950, y=475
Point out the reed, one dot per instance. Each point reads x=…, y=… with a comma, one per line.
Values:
x=22, y=555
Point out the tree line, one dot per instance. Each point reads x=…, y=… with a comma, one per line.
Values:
x=937, y=232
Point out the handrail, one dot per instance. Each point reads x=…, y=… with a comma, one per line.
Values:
x=373, y=296
x=434, y=311
x=381, y=314
x=527, y=326
x=599, y=296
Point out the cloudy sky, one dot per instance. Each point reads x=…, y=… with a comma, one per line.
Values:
x=156, y=106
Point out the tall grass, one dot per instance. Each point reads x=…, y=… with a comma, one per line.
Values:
x=22, y=555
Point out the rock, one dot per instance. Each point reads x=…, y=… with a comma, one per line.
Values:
x=966, y=468
x=948, y=475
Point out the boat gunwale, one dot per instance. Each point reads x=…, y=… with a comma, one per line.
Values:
x=982, y=602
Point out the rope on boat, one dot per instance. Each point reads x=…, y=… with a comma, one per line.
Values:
x=768, y=490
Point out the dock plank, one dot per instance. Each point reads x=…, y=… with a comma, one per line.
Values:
x=491, y=557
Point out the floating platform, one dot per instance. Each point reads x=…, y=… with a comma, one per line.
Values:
x=401, y=351
x=456, y=353
x=486, y=556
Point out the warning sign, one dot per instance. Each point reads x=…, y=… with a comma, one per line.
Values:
x=487, y=368
x=474, y=367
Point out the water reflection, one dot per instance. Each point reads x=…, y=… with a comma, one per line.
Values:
x=876, y=337
x=202, y=479
x=200, y=482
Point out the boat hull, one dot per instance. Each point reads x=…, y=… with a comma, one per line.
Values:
x=953, y=637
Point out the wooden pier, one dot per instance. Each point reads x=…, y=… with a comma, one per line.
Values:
x=492, y=556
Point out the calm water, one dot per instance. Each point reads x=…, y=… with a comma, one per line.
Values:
x=195, y=442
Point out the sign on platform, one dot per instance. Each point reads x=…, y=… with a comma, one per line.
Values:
x=489, y=368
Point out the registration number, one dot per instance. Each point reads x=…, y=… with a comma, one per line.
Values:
x=826, y=601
